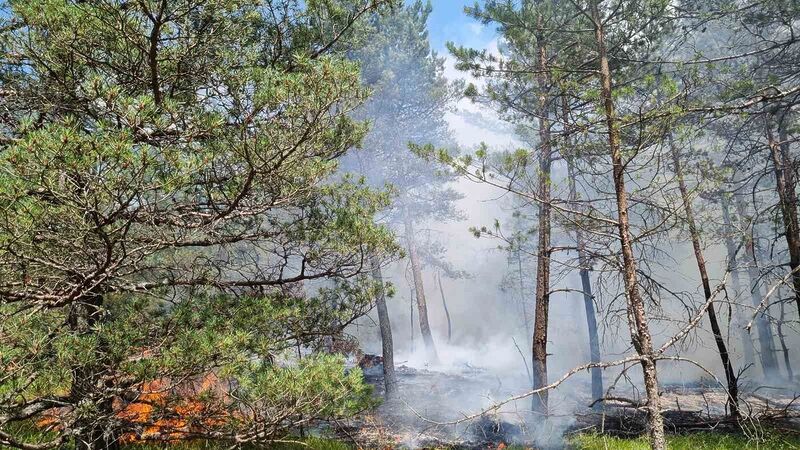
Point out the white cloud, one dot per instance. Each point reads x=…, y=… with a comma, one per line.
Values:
x=490, y=128
x=475, y=28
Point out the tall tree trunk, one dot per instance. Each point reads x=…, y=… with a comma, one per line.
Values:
x=419, y=290
x=785, y=185
x=385, y=325
x=411, y=317
x=446, y=311
x=730, y=247
x=540, y=321
x=523, y=301
x=769, y=362
x=594, y=339
x=585, y=264
x=722, y=348
x=640, y=332
x=782, y=339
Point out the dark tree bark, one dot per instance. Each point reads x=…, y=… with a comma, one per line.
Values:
x=769, y=362
x=411, y=317
x=594, y=339
x=585, y=264
x=541, y=318
x=787, y=360
x=523, y=301
x=736, y=283
x=419, y=290
x=385, y=325
x=722, y=348
x=783, y=164
x=446, y=311
x=640, y=332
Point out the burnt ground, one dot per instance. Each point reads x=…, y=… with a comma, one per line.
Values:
x=430, y=398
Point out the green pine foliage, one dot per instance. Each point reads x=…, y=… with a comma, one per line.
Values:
x=170, y=210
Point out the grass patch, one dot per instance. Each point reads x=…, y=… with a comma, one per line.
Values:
x=314, y=444
x=694, y=441
x=29, y=433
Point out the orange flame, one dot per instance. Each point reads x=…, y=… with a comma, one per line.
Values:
x=180, y=411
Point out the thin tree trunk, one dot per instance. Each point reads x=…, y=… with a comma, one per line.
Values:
x=586, y=284
x=769, y=362
x=385, y=325
x=422, y=306
x=640, y=332
x=730, y=246
x=541, y=318
x=446, y=311
x=594, y=339
x=722, y=348
x=785, y=185
x=411, y=317
x=782, y=339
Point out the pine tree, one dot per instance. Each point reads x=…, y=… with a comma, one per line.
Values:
x=410, y=100
x=166, y=191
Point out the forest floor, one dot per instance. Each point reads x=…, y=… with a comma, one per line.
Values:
x=693, y=441
x=429, y=401
x=695, y=415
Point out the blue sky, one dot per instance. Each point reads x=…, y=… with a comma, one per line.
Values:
x=449, y=23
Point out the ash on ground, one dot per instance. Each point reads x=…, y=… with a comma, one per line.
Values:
x=430, y=400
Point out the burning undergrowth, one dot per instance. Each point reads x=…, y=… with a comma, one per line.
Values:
x=431, y=399
x=163, y=410
x=488, y=429
x=434, y=401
